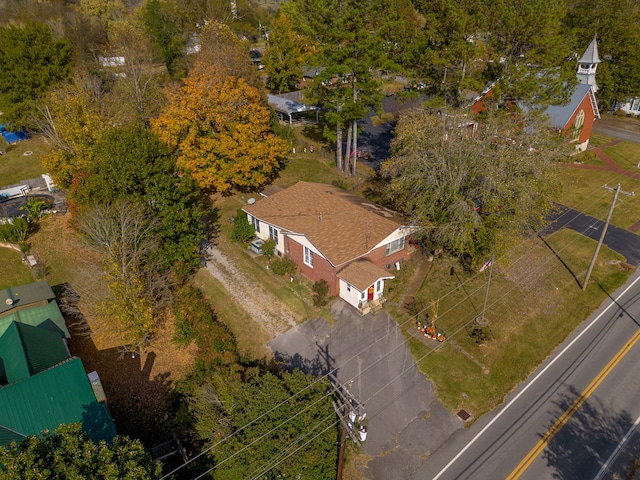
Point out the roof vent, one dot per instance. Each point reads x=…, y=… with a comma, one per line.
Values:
x=251, y=201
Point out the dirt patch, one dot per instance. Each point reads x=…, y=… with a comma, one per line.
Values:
x=139, y=388
x=265, y=309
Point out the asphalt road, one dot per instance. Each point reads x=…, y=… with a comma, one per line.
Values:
x=618, y=239
x=494, y=446
x=611, y=126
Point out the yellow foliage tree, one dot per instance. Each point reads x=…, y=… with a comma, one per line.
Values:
x=220, y=129
x=72, y=118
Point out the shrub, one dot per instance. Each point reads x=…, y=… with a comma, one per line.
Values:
x=242, y=230
x=196, y=321
x=320, y=292
x=15, y=232
x=269, y=247
x=283, y=266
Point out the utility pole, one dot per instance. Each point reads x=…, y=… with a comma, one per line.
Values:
x=604, y=229
x=351, y=414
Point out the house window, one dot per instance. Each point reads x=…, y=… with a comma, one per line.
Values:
x=395, y=246
x=577, y=125
x=378, y=285
x=362, y=296
x=308, y=257
x=348, y=287
x=256, y=224
x=273, y=233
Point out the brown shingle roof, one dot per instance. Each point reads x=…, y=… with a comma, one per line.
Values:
x=362, y=274
x=341, y=225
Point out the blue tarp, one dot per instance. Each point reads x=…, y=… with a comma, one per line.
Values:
x=13, y=137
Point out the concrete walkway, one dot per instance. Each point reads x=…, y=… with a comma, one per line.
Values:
x=609, y=164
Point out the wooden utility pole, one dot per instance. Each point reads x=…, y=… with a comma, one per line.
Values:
x=604, y=230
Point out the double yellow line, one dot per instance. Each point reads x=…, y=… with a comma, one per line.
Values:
x=564, y=418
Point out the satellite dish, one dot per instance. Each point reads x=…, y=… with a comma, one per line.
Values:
x=251, y=201
x=8, y=301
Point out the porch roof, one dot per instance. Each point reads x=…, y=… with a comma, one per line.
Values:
x=362, y=274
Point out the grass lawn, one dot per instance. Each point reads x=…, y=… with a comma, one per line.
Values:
x=14, y=272
x=534, y=303
x=583, y=190
x=625, y=154
x=15, y=166
x=252, y=342
x=600, y=139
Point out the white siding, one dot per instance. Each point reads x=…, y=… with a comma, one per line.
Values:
x=352, y=297
x=396, y=234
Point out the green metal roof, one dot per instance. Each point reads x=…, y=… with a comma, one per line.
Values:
x=7, y=436
x=27, y=350
x=24, y=295
x=46, y=316
x=61, y=394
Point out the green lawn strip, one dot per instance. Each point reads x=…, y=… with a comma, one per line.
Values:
x=598, y=139
x=583, y=190
x=626, y=155
x=252, y=340
x=15, y=166
x=14, y=271
x=51, y=243
x=534, y=303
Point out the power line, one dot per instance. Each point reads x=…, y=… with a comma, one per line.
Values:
x=322, y=377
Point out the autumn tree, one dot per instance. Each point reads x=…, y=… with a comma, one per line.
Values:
x=219, y=46
x=285, y=54
x=32, y=62
x=137, y=90
x=220, y=129
x=72, y=118
x=474, y=194
x=70, y=453
x=123, y=233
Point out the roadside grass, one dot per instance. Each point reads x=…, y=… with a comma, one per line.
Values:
x=252, y=341
x=626, y=155
x=599, y=139
x=14, y=271
x=583, y=191
x=15, y=166
x=535, y=301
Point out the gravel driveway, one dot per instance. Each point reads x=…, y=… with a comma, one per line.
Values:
x=265, y=309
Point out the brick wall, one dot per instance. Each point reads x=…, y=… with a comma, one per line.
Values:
x=322, y=269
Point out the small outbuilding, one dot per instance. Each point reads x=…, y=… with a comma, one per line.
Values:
x=290, y=110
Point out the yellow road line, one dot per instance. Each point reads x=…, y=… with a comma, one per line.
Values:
x=564, y=418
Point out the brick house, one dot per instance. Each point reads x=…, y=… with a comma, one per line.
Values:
x=332, y=235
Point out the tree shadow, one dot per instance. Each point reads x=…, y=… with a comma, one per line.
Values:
x=587, y=441
x=141, y=405
x=321, y=364
x=561, y=260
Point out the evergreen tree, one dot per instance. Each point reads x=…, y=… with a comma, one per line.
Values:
x=32, y=61
x=70, y=453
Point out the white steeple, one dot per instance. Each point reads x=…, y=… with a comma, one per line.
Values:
x=588, y=64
